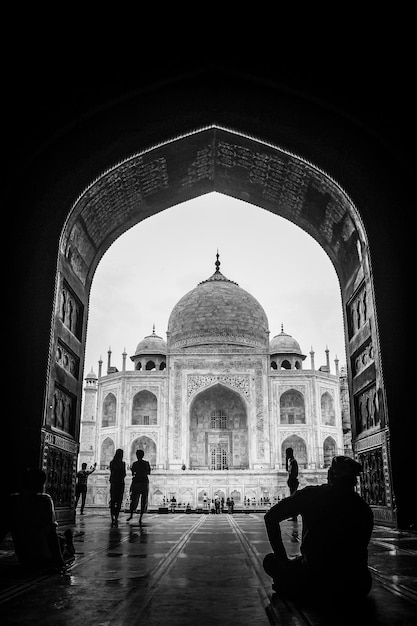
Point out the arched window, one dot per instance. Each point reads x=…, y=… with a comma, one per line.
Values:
x=162, y=366
x=328, y=415
x=138, y=366
x=107, y=453
x=291, y=406
x=148, y=446
x=329, y=450
x=109, y=411
x=285, y=365
x=299, y=447
x=150, y=366
x=274, y=365
x=144, y=408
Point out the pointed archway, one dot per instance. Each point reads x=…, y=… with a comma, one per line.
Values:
x=94, y=182
x=237, y=165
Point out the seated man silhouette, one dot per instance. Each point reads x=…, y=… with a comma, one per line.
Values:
x=30, y=518
x=336, y=528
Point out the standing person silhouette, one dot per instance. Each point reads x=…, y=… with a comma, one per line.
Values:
x=292, y=469
x=140, y=485
x=81, y=484
x=336, y=529
x=117, y=485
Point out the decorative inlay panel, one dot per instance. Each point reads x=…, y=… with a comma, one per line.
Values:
x=238, y=381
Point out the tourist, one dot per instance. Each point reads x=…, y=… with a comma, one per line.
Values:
x=336, y=528
x=81, y=485
x=117, y=485
x=173, y=504
x=30, y=518
x=140, y=485
x=292, y=469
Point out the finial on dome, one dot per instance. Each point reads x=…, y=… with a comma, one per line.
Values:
x=282, y=327
x=153, y=329
x=217, y=263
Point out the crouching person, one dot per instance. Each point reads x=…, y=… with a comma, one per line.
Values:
x=336, y=528
x=30, y=518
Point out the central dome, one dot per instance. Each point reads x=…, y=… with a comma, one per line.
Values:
x=218, y=311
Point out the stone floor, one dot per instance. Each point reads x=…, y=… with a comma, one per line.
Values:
x=192, y=570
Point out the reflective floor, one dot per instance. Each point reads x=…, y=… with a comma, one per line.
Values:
x=191, y=569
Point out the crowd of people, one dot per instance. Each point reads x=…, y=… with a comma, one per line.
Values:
x=336, y=524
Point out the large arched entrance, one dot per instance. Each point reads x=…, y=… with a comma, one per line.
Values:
x=265, y=175
x=218, y=430
x=114, y=180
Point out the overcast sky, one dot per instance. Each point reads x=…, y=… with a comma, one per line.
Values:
x=149, y=268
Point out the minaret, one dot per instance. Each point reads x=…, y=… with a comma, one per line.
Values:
x=312, y=358
x=327, y=360
x=336, y=363
x=124, y=359
x=100, y=365
x=108, y=360
x=88, y=420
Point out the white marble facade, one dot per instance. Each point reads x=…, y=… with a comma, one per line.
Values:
x=215, y=406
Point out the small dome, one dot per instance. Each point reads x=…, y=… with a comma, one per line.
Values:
x=218, y=311
x=152, y=344
x=91, y=375
x=284, y=344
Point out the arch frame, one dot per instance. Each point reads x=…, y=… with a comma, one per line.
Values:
x=234, y=163
x=374, y=188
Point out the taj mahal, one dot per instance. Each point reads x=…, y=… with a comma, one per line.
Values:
x=215, y=405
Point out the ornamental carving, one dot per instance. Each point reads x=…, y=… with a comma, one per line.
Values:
x=363, y=359
x=62, y=414
x=202, y=167
x=246, y=339
x=284, y=388
x=67, y=359
x=237, y=381
x=152, y=389
x=358, y=311
x=367, y=413
x=59, y=466
x=111, y=201
x=143, y=433
x=372, y=479
x=70, y=310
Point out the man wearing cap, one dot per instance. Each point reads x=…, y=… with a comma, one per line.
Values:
x=336, y=528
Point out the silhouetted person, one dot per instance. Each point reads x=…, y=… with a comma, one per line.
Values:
x=117, y=485
x=292, y=469
x=140, y=485
x=336, y=528
x=81, y=484
x=30, y=518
